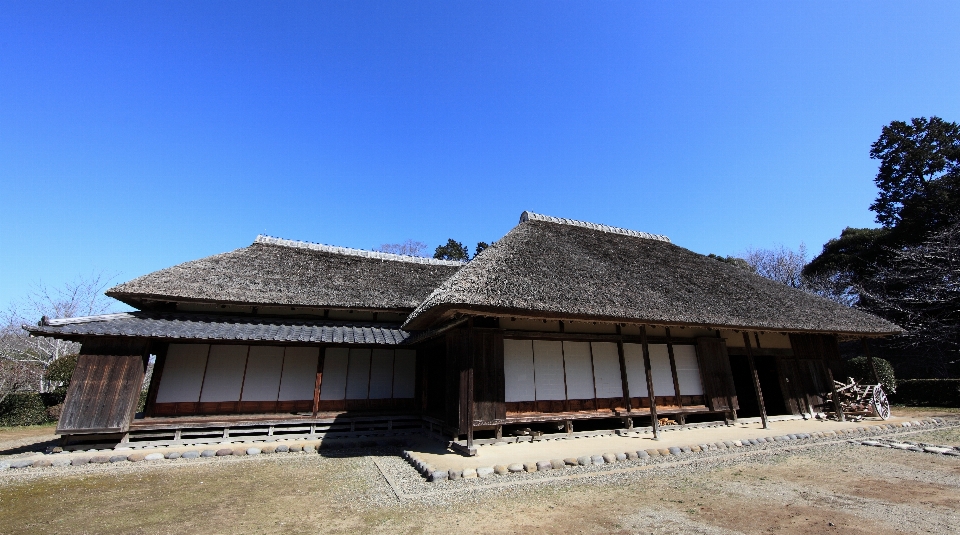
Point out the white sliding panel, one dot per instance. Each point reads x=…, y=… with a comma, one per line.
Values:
x=660, y=369
x=381, y=374
x=358, y=374
x=299, y=373
x=182, y=373
x=518, y=370
x=548, y=370
x=688, y=370
x=224, y=376
x=579, y=368
x=261, y=382
x=404, y=373
x=606, y=370
x=636, y=372
x=334, y=382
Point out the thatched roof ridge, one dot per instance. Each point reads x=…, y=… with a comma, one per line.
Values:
x=272, y=271
x=549, y=269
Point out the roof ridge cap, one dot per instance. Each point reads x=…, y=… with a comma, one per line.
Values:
x=87, y=319
x=531, y=216
x=271, y=240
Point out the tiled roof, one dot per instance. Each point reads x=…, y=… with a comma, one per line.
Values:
x=225, y=328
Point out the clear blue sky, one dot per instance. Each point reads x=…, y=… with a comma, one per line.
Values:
x=137, y=135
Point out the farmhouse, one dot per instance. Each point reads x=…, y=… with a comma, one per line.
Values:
x=560, y=323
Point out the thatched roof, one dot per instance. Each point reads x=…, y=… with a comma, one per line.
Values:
x=272, y=271
x=567, y=269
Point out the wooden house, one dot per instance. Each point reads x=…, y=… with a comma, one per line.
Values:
x=560, y=323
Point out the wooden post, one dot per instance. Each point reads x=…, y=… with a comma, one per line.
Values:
x=866, y=352
x=568, y=426
x=470, y=396
x=318, y=383
x=673, y=370
x=756, y=381
x=833, y=391
x=655, y=423
x=625, y=387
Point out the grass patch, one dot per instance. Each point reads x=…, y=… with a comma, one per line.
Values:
x=18, y=432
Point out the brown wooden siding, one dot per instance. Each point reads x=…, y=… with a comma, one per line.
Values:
x=103, y=394
x=488, y=381
x=715, y=373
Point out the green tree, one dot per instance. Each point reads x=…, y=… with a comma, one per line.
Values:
x=452, y=250
x=919, y=176
x=480, y=247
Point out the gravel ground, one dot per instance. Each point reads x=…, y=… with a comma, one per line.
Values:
x=804, y=486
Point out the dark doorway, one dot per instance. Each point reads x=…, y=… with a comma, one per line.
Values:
x=769, y=375
x=769, y=383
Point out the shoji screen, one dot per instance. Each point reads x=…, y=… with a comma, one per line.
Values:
x=183, y=373
x=299, y=373
x=262, y=379
x=579, y=368
x=334, y=383
x=636, y=372
x=688, y=370
x=548, y=370
x=660, y=370
x=518, y=370
x=224, y=377
x=606, y=370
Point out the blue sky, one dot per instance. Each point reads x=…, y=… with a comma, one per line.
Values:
x=137, y=135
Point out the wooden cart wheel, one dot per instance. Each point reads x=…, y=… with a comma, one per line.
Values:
x=881, y=405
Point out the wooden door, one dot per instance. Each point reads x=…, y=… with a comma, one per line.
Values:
x=721, y=395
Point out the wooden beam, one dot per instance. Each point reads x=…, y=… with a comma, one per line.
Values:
x=756, y=381
x=654, y=422
x=471, y=401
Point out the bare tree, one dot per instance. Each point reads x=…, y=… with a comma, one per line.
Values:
x=919, y=289
x=408, y=248
x=780, y=264
x=785, y=266
x=28, y=356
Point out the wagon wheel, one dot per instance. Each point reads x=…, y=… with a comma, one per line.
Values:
x=881, y=405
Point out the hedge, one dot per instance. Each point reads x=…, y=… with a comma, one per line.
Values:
x=23, y=409
x=928, y=392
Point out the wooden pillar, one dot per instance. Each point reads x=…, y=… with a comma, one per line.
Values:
x=833, y=390
x=568, y=426
x=625, y=387
x=319, y=382
x=866, y=352
x=655, y=423
x=673, y=370
x=468, y=357
x=756, y=380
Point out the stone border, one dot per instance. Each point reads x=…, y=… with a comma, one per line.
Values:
x=112, y=456
x=433, y=475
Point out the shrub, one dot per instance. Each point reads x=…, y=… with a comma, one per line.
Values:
x=23, y=409
x=928, y=392
x=54, y=411
x=60, y=371
x=859, y=369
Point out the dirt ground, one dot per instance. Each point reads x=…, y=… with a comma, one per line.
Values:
x=842, y=488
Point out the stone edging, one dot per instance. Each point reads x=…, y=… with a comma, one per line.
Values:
x=433, y=475
x=113, y=456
